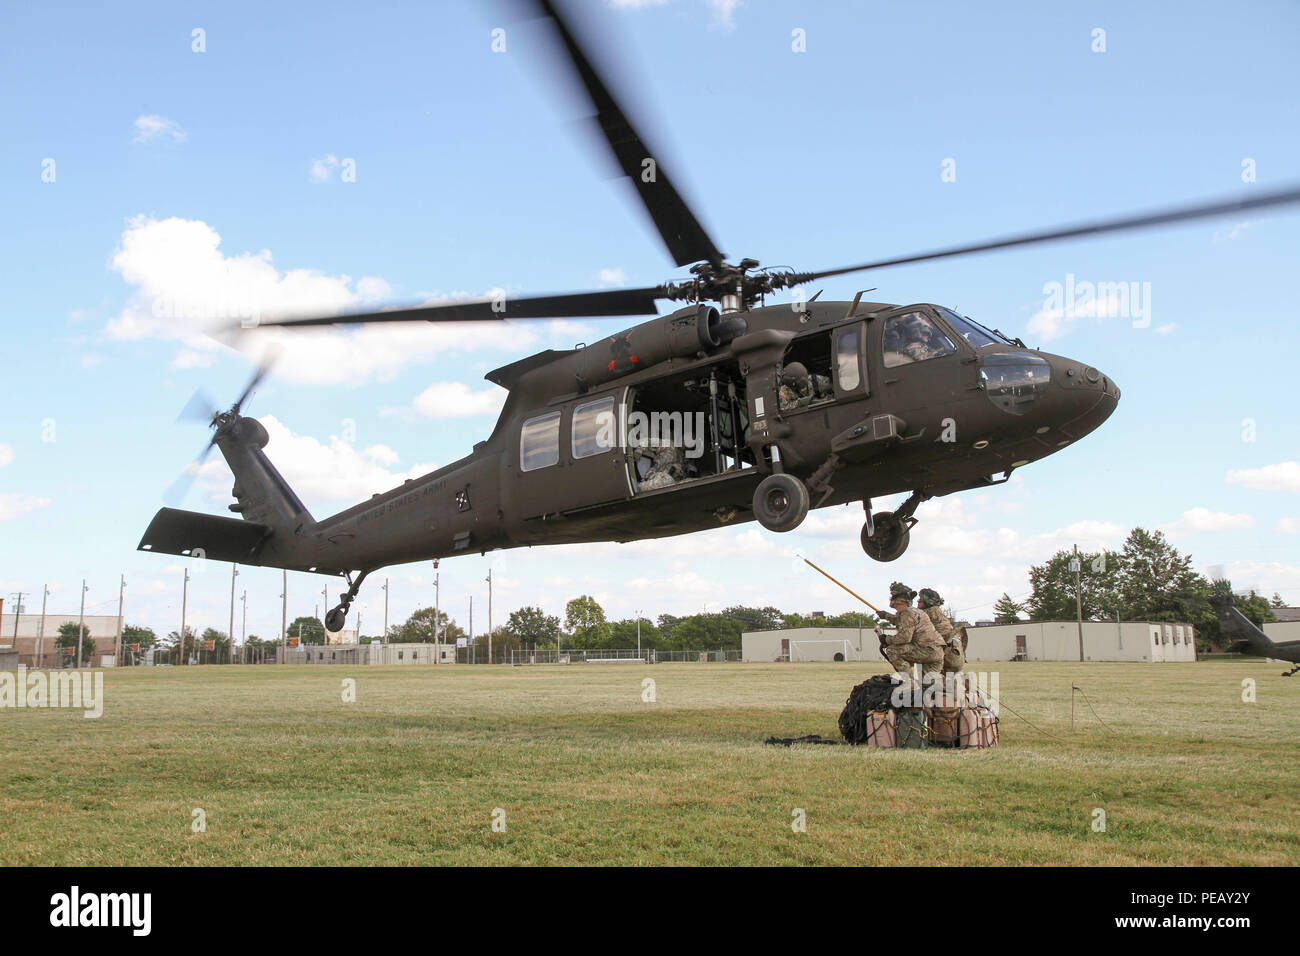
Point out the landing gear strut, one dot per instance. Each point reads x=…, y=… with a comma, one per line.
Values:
x=885, y=536
x=338, y=616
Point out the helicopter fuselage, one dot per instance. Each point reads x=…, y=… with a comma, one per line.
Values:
x=962, y=417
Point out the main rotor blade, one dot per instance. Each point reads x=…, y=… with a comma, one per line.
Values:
x=678, y=226
x=1100, y=227
x=566, y=305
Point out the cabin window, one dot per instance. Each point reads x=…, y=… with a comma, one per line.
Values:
x=594, y=429
x=847, y=362
x=539, y=442
x=912, y=337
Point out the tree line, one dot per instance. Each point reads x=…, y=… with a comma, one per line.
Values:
x=1148, y=579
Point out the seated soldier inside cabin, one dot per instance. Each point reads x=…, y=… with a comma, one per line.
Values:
x=668, y=466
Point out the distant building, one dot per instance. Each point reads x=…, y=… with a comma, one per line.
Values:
x=374, y=653
x=1036, y=641
x=1287, y=625
x=101, y=627
x=1102, y=641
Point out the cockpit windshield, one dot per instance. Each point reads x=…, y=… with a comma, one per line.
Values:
x=972, y=331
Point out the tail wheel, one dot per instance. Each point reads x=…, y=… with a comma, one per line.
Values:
x=890, y=540
x=781, y=502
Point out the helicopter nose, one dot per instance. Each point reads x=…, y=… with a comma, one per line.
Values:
x=1091, y=396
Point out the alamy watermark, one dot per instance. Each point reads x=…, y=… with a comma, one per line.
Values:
x=82, y=690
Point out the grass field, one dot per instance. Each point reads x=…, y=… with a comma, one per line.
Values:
x=287, y=773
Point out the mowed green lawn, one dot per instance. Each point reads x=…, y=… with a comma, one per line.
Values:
x=587, y=772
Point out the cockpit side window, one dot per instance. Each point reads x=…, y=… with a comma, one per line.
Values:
x=913, y=337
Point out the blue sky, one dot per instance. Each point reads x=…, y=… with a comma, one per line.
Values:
x=181, y=175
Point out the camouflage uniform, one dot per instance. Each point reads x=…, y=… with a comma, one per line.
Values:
x=915, y=642
x=792, y=396
x=954, y=658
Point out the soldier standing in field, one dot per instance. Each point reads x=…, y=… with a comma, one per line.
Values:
x=916, y=641
x=930, y=604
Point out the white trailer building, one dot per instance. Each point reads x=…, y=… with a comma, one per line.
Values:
x=1027, y=641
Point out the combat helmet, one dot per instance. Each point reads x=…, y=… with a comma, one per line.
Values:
x=900, y=590
x=931, y=597
x=794, y=374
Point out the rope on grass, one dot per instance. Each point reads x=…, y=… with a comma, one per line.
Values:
x=1091, y=708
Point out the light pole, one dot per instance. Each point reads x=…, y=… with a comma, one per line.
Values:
x=243, y=628
x=81, y=620
x=1077, y=567
x=284, y=617
x=384, y=637
x=234, y=573
x=117, y=646
x=489, y=583
x=185, y=594
x=40, y=630
x=437, y=613
x=638, y=632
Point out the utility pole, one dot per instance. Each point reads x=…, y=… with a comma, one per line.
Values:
x=40, y=630
x=1077, y=567
x=325, y=631
x=185, y=595
x=384, y=638
x=638, y=632
x=437, y=614
x=234, y=573
x=81, y=621
x=489, y=582
x=243, y=629
x=18, y=609
x=284, y=617
x=471, y=623
x=117, y=646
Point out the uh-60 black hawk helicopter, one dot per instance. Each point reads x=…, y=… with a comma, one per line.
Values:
x=878, y=399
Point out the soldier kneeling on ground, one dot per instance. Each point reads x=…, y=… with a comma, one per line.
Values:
x=954, y=655
x=916, y=641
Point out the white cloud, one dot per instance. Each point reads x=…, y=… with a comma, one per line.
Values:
x=11, y=506
x=1289, y=526
x=1284, y=476
x=456, y=400
x=1052, y=323
x=724, y=12
x=614, y=276
x=323, y=169
x=188, y=358
x=153, y=128
x=187, y=288
x=6, y=455
x=1233, y=233
x=1166, y=328
x=318, y=471
x=1202, y=519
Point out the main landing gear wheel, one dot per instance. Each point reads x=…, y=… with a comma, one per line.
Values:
x=335, y=619
x=781, y=502
x=891, y=537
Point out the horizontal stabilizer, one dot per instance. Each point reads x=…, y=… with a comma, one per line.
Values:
x=191, y=534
